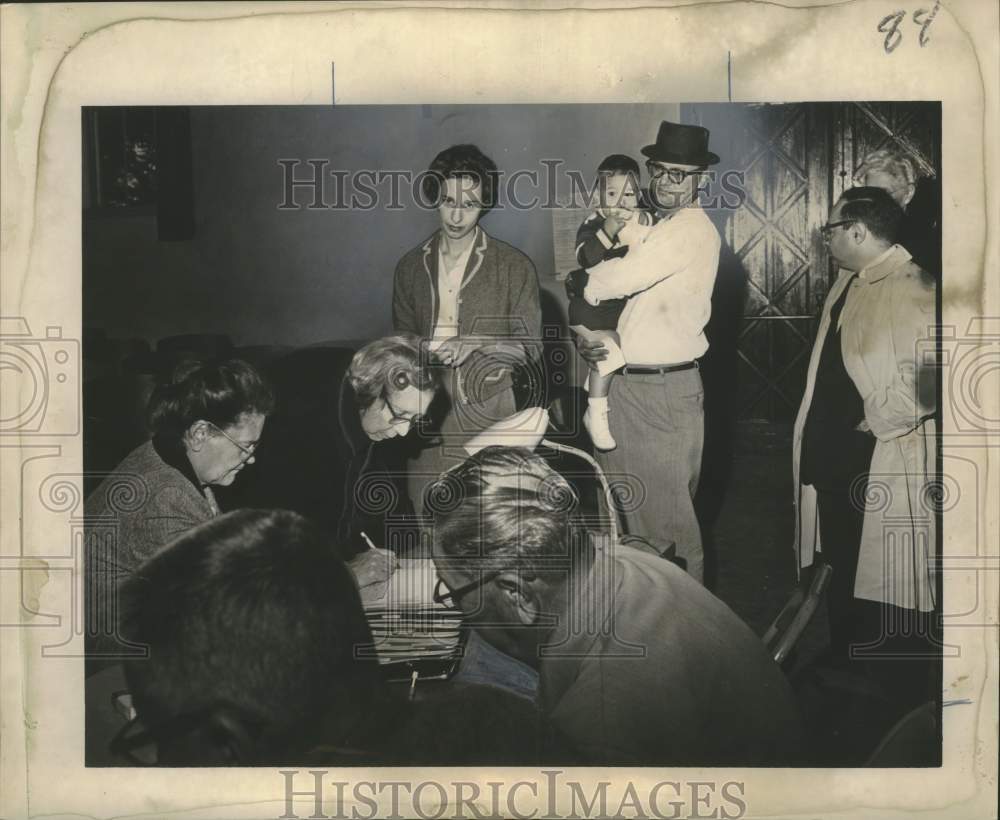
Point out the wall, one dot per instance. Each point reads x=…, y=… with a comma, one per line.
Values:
x=267, y=276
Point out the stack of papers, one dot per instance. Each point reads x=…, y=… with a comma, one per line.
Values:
x=407, y=626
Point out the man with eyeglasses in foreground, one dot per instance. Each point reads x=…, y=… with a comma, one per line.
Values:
x=657, y=407
x=864, y=450
x=637, y=662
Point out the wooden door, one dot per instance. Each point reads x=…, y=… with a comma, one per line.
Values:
x=793, y=161
x=772, y=247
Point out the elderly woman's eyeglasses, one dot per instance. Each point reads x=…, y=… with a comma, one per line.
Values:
x=450, y=597
x=675, y=175
x=246, y=448
x=399, y=416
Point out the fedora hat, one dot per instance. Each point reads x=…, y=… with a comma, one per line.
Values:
x=681, y=144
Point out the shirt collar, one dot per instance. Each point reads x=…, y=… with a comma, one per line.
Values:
x=463, y=261
x=884, y=264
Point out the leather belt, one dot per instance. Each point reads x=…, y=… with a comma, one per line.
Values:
x=649, y=370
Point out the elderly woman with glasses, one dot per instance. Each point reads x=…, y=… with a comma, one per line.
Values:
x=206, y=419
x=393, y=385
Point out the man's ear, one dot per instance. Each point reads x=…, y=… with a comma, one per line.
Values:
x=520, y=596
x=859, y=232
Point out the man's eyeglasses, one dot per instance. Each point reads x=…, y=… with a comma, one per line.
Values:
x=826, y=231
x=675, y=175
x=450, y=597
x=247, y=449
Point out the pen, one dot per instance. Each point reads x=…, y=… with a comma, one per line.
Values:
x=413, y=683
x=368, y=541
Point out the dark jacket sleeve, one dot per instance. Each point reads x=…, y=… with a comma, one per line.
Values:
x=525, y=309
x=589, y=248
x=404, y=312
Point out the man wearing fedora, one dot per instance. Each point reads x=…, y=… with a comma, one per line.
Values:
x=656, y=406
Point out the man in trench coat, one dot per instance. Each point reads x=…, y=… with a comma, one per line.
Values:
x=864, y=446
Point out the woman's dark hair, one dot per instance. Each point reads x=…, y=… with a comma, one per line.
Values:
x=217, y=391
x=461, y=161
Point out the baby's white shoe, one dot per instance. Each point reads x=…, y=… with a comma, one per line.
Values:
x=596, y=422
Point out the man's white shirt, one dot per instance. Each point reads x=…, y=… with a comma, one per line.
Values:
x=670, y=277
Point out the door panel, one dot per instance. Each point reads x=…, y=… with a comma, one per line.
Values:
x=796, y=159
x=782, y=152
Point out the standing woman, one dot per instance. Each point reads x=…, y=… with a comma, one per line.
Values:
x=474, y=300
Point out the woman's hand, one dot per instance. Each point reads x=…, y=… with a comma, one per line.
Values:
x=373, y=566
x=454, y=351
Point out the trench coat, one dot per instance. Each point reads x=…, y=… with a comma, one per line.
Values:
x=887, y=342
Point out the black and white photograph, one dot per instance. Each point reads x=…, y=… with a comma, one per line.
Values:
x=512, y=434
x=499, y=409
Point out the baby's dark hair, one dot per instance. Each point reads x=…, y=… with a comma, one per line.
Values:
x=618, y=164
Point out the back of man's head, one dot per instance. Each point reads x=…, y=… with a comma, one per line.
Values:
x=252, y=622
x=874, y=208
x=504, y=506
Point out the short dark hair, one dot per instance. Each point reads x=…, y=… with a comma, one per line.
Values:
x=509, y=508
x=461, y=161
x=618, y=164
x=388, y=364
x=875, y=209
x=214, y=390
x=252, y=610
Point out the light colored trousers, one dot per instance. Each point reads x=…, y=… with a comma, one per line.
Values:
x=658, y=421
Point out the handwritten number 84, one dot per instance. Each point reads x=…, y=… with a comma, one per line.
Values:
x=889, y=26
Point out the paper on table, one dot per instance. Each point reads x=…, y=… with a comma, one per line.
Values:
x=411, y=584
x=616, y=358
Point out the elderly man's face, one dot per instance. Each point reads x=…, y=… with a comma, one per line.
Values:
x=837, y=235
x=673, y=186
x=494, y=604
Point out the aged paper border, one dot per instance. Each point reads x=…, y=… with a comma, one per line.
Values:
x=59, y=57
